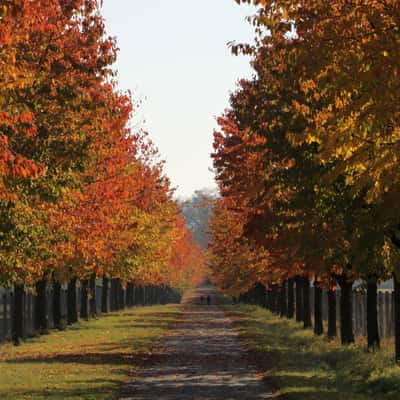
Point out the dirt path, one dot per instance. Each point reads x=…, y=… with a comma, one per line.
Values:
x=201, y=360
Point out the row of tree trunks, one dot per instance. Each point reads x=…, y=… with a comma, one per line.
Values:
x=292, y=299
x=113, y=293
x=346, y=310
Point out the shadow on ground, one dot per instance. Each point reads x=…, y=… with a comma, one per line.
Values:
x=94, y=370
x=306, y=368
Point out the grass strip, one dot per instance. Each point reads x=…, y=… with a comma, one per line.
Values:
x=90, y=360
x=304, y=367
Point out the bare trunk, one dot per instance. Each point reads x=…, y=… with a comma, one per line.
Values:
x=71, y=302
x=104, y=296
x=57, y=304
x=40, y=307
x=318, y=323
x=284, y=303
x=290, y=295
x=306, y=303
x=299, y=299
x=92, y=299
x=346, y=309
x=84, y=299
x=332, y=329
x=18, y=314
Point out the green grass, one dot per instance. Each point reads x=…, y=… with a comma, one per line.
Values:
x=303, y=367
x=90, y=360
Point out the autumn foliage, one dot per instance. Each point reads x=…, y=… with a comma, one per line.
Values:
x=81, y=193
x=306, y=157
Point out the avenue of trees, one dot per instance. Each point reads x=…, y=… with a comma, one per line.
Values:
x=82, y=196
x=307, y=162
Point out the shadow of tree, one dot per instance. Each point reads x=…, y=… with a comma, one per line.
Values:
x=89, y=355
x=85, y=393
x=304, y=371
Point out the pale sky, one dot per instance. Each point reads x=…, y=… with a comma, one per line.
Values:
x=174, y=56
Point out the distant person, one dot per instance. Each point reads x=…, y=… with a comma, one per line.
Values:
x=201, y=299
x=208, y=300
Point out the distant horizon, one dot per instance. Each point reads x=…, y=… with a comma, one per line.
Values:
x=211, y=190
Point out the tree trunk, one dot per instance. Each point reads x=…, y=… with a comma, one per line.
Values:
x=290, y=295
x=114, y=294
x=261, y=295
x=138, y=297
x=299, y=299
x=246, y=296
x=267, y=298
x=104, y=296
x=272, y=298
x=121, y=296
x=118, y=294
x=92, y=298
x=332, y=330
x=129, y=294
x=72, y=310
x=18, y=314
x=372, y=314
x=151, y=292
x=57, y=304
x=278, y=302
x=135, y=295
x=158, y=297
x=346, y=309
x=276, y=299
x=284, y=304
x=318, y=323
x=306, y=303
x=112, y=284
x=84, y=299
x=397, y=316
x=40, y=308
